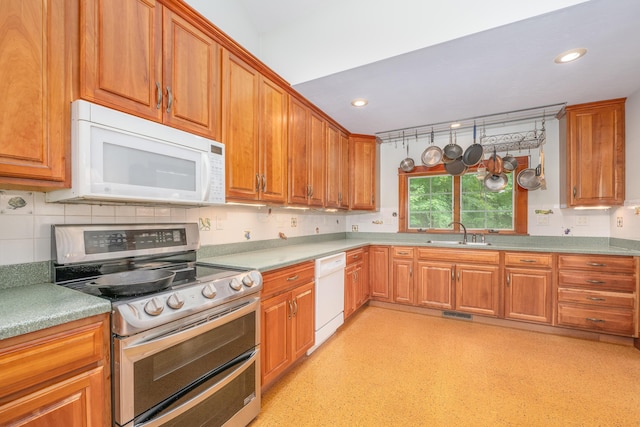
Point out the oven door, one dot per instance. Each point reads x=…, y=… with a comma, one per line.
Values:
x=200, y=371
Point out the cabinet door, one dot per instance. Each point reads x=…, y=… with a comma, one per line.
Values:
x=379, y=273
x=596, y=153
x=303, y=322
x=349, y=290
x=275, y=344
x=77, y=401
x=334, y=171
x=121, y=49
x=240, y=130
x=402, y=271
x=435, y=285
x=362, y=159
x=298, y=153
x=191, y=74
x=35, y=113
x=316, y=159
x=343, y=195
x=365, y=288
x=528, y=295
x=477, y=289
x=273, y=141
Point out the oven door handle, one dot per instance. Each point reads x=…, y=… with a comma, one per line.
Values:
x=174, y=413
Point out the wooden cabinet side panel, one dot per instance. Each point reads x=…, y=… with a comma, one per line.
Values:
x=274, y=103
x=121, y=55
x=35, y=78
x=191, y=73
x=379, y=273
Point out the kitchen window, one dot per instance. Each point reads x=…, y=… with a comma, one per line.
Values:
x=430, y=199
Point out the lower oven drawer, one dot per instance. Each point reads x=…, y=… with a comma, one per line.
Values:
x=606, y=320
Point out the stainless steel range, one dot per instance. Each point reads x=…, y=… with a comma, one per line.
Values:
x=185, y=335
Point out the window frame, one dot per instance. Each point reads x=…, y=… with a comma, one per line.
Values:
x=520, y=200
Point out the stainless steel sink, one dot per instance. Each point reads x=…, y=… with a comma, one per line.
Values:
x=457, y=242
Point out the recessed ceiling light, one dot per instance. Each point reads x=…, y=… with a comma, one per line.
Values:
x=455, y=125
x=570, y=55
x=359, y=102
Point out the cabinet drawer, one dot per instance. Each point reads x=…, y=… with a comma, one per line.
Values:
x=402, y=252
x=354, y=255
x=608, y=320
x=618, y=282
x=287, y=278
x=596, y=298
x=478, y=256
x=528, y=259
x=67, y=348
x=618, y=264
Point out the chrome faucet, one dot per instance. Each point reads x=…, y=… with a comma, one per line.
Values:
x=464, y=239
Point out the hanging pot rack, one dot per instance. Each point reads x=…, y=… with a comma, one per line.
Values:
x=513, y=141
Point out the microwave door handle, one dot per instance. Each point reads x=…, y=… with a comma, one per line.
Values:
x=206, y=177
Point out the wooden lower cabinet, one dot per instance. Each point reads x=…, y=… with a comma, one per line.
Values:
x=477, y=289
x=356, y=280
x=379, y=273
x=59, y=376
x=528, y=287
x=287, y=319
x=402, y=265
x=435, y=285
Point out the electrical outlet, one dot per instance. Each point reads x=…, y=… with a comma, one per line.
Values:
x=619, y=222
x=294, y=221
x=542, y=219
x=582, y=220
x=354, y=228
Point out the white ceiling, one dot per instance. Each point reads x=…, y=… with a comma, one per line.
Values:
x=506, y=68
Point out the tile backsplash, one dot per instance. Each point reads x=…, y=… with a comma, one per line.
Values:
x=26, y=219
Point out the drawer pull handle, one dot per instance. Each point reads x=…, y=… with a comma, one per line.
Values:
x=596, y=264
x=596, y=299
x=596, y=282
x=403, y=253
x=527, y=260
x=356, y=256
x=594, y=320
x=292, y=278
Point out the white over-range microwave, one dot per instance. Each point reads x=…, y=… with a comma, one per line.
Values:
x=119, y=158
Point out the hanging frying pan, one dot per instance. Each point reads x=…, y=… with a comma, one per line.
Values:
x=473, y=154
x=456, y=167
x=496, y=183
x=453, y=150
x=432, y=155
x=407, y=164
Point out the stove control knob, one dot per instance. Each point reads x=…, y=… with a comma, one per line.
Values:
x=209, y=291
x=175, y=301
x=247, y=281
x=154, y=307
x=235, y=284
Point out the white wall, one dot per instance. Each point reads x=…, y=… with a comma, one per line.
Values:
x=25, y=232
x=560, y=222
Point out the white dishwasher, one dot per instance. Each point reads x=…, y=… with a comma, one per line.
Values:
x=329, y=279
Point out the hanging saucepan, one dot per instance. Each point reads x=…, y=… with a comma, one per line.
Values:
x=134, y=282
x=456, y=167
x=494, y=164
x=496, y=183
x=474, y=153
x=407, y=164
x=432, y=155
x=453, y=150
x=529, y=178
x=509, y=163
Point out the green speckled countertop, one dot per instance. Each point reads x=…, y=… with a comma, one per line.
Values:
x=25, y=309
x=273, y=258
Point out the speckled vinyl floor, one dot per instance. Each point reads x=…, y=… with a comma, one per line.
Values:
x=392, y=368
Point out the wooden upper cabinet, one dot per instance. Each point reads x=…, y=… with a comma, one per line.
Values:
x=143, y=59
x=240, y=128
x=362, y=161
x=35, y=83
x=298, y=152
x=337, y=177
x=594, y=152
x=316, y=159
x=191, y=74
